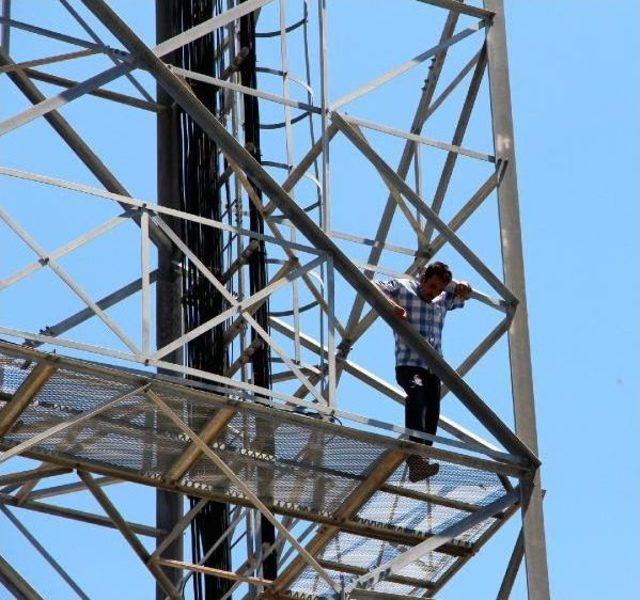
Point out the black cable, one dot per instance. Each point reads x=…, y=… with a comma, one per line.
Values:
x=200, y=195
x=261, y=358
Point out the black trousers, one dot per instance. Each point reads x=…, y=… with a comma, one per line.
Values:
x=422, y=405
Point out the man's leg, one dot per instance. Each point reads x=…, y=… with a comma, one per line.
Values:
x=432, y=403
x=411, y=380
x=414, y=381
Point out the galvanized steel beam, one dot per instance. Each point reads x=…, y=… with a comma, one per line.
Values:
x=459, y=6
x=409, y=556
x=15, y=583
x=513, y=264
x=378, y=474
x=130, y=536
x=29, y=388
x=79, y=515
x=504, y=593
x=33, y=540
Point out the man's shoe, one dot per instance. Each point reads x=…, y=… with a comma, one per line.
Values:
x=420, y=468
x=431, y=469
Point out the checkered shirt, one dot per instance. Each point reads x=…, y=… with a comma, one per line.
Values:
x=426, y=317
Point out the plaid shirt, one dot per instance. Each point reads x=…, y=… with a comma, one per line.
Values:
x=426, y=317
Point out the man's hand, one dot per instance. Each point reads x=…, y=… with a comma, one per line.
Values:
x=400, y=312
x=463, y=290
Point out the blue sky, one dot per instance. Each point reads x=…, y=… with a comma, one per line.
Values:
x=575, y=79
x=576, y=91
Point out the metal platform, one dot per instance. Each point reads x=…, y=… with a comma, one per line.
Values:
x=378, y=532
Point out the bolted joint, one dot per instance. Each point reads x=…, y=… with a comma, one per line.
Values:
x=343, y=349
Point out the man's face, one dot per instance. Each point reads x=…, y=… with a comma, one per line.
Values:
x=432, y=287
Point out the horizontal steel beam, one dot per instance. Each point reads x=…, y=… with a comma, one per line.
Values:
x=50, y=33
x=69, y=488
x=215, y=81
x=429, y=498
x=104, y=303
x=373, y=595
x=78, y=515
x=418, y=138
x=98, y=93
x=354, y=570
x=179, y=564
x=38, y=473
x=21, y=66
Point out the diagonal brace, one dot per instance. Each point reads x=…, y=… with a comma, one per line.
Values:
x=437, y=540
x=391, y=178
x=15, y=583
x=129, y=535
x=27, y=391
x=80, y=418
x=209, y=453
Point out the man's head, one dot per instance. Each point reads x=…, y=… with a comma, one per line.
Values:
x=434, y=279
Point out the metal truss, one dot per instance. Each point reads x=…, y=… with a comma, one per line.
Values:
x=349, y=523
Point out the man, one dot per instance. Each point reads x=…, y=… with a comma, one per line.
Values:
x=424, y=303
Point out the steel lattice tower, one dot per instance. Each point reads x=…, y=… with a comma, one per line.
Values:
x=201, y=333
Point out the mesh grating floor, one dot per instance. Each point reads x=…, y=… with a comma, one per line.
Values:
x=296, y=464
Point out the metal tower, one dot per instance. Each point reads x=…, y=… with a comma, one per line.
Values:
x=188, y=306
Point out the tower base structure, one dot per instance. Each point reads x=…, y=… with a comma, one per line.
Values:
x=295, y=453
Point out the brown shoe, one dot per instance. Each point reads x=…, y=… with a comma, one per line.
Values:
x=420, y=468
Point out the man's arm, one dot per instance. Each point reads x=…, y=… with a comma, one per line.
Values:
x=390, y=290
x=457, y=292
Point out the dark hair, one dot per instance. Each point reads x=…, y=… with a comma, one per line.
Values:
x=439, y=270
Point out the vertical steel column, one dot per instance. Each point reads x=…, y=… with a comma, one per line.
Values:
x=513, y=265
x=169, y=506
x=6, y=27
